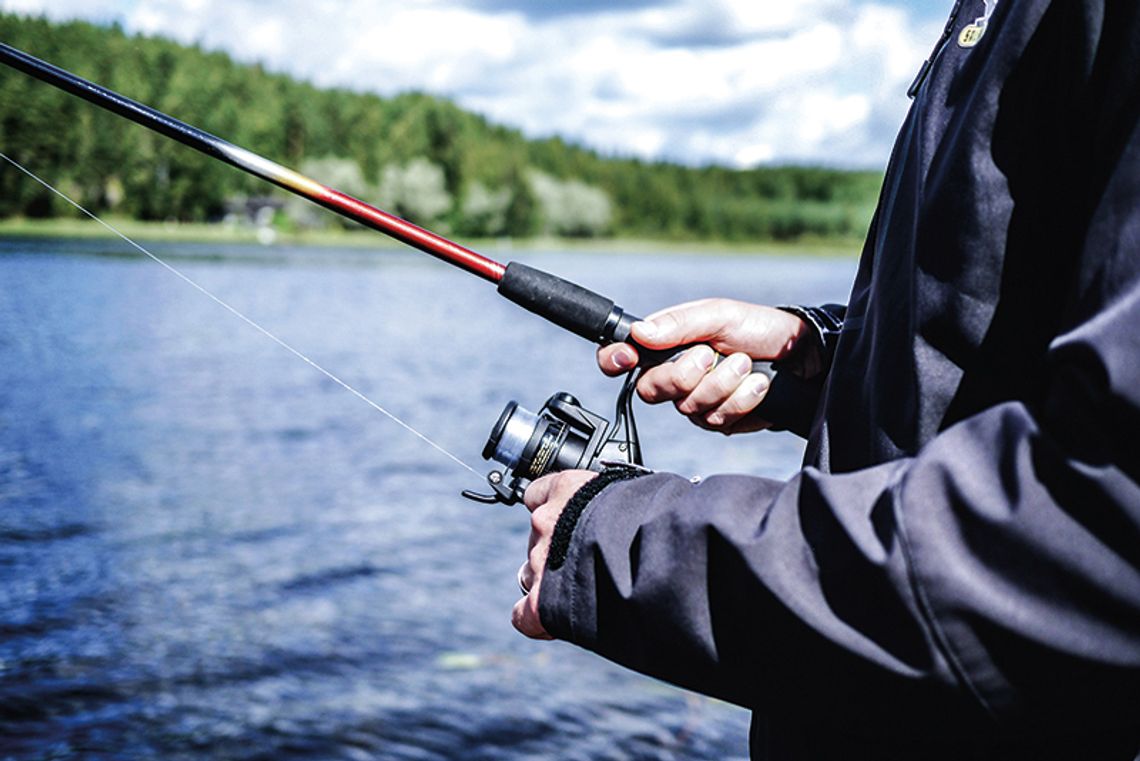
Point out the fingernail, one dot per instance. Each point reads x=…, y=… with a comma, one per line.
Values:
x=740, y=364
x=623, y=359
x=757, y=383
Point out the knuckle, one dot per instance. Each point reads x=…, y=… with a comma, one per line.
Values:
x=534, y=496
x=722, y=384
x=656, y=387
x=537, y=522
x=669, y=321
x=542, y=520
x=562, y=482
x=648, y=395
x=725, y=311
x=737, y=405
x=686, y=406
x=700, y=422
x=715, y=390
x=684, y=383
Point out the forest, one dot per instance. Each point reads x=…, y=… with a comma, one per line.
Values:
x=413, y=154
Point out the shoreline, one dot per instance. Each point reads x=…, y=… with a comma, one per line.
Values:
x=199, y=232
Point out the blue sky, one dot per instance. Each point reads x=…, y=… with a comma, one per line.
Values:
x=736, y=82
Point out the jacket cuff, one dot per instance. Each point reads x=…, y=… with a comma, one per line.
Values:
x=564, y=528
x=825, y=323
x=564, y=578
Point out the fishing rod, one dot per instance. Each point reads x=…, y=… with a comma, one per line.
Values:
x=570, y=306
x=563, y=434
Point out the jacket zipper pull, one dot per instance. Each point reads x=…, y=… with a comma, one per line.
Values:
x=919, y=78
x=924, y=70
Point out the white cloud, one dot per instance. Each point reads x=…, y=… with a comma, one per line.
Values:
x=728, y=81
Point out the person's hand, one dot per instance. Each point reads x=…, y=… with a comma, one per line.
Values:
x=718, y=398
x=545, y=498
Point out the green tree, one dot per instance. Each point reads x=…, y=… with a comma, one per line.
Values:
x=436, y=163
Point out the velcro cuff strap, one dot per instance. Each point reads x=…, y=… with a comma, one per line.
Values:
x=564, y=529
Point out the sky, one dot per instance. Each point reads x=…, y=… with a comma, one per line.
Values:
x=731, y=82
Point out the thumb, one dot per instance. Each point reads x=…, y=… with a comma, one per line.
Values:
x=693, y=322
x=727, y=325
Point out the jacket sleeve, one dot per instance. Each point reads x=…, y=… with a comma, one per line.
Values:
x=997, y=570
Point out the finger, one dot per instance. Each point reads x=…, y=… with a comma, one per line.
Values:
x=538, y=543
x=543, y=518
x=526, y=577
x=747, y=424
x=726, y=325
x=534, y=538
x=676, y=380
x=617, y=359
x=556, y=488
x=717, y=386
x=538, y=493
x=524, y=616
x=536, y=560
x=747, y=395
x=538, y=546
x=694, y=321
x=685, y=305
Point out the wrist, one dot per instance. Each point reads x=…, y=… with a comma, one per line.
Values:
x=809, y=352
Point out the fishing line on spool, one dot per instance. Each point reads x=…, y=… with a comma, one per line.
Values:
x=241, y=316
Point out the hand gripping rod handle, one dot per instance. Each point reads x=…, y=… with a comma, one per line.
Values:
x=583, y=312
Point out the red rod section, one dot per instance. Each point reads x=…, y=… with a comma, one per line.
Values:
x=413, y=235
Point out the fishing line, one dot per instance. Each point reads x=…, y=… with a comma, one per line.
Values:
x=247, y=320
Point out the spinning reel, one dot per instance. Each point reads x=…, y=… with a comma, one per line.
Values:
x=562, y=435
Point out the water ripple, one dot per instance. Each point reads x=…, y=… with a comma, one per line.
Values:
x=45, y=533
x=209, y=552
x=322, y=580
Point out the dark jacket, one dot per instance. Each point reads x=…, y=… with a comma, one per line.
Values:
x=956, y=570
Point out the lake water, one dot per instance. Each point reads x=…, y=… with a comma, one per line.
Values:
x=209, y=550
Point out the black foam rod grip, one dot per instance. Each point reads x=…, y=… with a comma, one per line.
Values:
x=570, y=306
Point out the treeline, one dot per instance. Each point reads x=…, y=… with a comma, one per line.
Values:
x=419, y=156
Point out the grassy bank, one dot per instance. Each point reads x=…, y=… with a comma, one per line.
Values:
x=172, y=232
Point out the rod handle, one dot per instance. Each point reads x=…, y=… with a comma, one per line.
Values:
x=789, y=403
x=585, y=313
x=568, y=305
